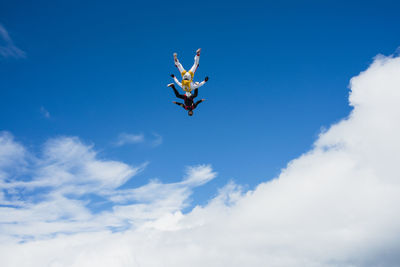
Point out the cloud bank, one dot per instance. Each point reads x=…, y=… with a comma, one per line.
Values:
x=336, y=205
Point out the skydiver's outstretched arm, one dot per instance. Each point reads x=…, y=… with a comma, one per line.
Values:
x=195, y=86
x=198, y=85
x=176, y=91
x=178, y=64
x=198, y=102
x=196, y=61
x=179, y=104
x=176, y=80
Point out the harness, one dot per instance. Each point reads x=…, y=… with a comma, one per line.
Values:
x=191, y=107
x=186, y=84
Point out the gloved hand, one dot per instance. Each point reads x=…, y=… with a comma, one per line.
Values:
x=172, y=75
x=206, y=79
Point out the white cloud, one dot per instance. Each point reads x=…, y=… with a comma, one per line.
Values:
x=45, y=112
x=7, y=47
x=73, y=167
x=156, y=191
x=10, y=150
x=54, y=194
x=157, y=140
x=12, y=156
x=128, y=139
x=336, y=205
x=125, y=138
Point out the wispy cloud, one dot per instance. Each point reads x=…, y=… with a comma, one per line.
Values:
x=7, y=47
x=12, y=156
x=45, y=112
x=69, y=174
x=157, y=140
x=127, y=139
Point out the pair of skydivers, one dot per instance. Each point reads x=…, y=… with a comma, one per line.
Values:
x=187, y=84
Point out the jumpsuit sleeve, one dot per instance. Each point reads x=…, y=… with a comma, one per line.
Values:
x=177, y=82
x=195, y=86
x=198, y=102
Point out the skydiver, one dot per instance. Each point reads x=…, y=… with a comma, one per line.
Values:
x=189, y=104
x=187, y=77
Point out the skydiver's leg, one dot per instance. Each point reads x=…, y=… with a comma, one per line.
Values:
x=178, y=64
x=175, y=91
x=196, y=92
x=179, y=104
x=196, y=61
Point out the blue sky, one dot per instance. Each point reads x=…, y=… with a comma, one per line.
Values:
x=279, y=72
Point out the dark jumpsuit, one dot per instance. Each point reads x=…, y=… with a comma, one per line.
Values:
x=188, y=100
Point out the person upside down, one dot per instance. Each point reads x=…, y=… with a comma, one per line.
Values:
x=187, y=83
x=189, y=103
